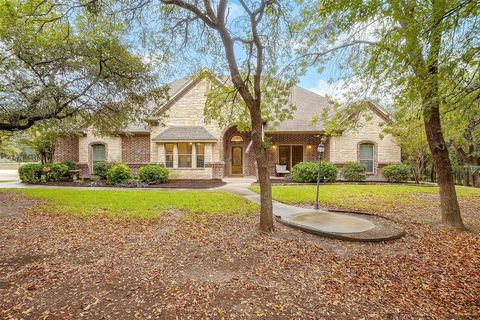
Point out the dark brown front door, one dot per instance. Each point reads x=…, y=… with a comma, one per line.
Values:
x=237, y=160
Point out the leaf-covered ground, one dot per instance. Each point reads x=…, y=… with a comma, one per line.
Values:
x=55, y=266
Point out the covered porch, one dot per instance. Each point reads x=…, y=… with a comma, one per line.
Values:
x=286, y=149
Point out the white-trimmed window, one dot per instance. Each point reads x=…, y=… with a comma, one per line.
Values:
x=184, y=154
x=366, y=156
x=98, y=153
x=200, y=150
x=169, y=155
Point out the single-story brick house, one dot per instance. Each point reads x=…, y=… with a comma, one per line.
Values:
x=191, y=148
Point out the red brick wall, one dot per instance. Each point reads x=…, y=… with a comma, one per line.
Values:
x=66, y=148
x=309, y=142
x=249, y=168
x=136, y=149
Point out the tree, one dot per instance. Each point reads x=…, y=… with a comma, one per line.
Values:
x=249, y=46
x=411, y=48
x=41, y=139
x=61, y=60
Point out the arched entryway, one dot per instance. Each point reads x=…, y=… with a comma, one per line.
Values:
x=238, y=155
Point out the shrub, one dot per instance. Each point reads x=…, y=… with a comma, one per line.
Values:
x=308, y=172
x=396, y=172
x=72, y=165
x=31, y=173
x=101, y=168
x=153, y=174
x=354, y=171
x=55, y=172
x=119, y=173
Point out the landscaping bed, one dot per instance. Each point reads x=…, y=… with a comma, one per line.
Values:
x=177, y=183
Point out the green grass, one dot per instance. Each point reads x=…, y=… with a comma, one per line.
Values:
x=363, y=197
x=141, y=204
x=1, y=181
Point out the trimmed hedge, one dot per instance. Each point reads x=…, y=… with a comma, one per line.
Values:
x=119, y=173
x=56, y=172
x=354, y=171
x=36, y=172
x=100, y=169
x=31, y=173
x=396, y=172
x=153, y=174
x=308, y=172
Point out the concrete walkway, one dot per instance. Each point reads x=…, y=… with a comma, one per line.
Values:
x=321, y=220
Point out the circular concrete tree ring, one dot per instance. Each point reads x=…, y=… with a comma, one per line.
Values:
x=330, y=222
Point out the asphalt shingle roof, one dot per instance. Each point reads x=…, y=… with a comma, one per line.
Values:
x=309, y=105
x=185, y=134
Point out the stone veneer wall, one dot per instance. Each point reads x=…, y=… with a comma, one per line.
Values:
x=66, y=148
x=188, y=110
x=345, y=147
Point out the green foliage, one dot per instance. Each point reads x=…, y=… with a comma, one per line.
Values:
x=101, y=168
x=364, y=197
x=55, y=172
x=72, y=165
x=41, y=138
x=153, y=174
x=396, y=172
x=354, y=171
x=139, y=204
x=70, y=62
x=30, y=173
x=119, y=173
x=308, y=172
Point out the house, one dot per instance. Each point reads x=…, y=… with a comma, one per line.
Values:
x=194, y=149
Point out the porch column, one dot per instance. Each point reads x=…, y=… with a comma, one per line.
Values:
x=175, y=156
x=161, y=154
x=208, y=153
x=194, y=155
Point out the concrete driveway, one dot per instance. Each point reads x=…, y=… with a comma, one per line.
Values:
x=8, y=174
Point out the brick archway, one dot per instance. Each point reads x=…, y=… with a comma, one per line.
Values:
x=249, y=168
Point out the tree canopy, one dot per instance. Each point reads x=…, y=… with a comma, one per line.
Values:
x=62, y=60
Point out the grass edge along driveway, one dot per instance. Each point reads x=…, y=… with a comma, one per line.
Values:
x=136, y=204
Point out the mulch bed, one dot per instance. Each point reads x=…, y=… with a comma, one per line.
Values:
x=177, y=183
x=62, y=267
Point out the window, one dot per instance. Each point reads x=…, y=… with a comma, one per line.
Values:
x=290, y=155
x=366, y=156
x=236, y=139
x=169, y=155
x=98, y=153
x=200, y=147
x=185, y=155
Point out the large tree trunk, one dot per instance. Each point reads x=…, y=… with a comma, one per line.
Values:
x=266, y=210
x=448, y=196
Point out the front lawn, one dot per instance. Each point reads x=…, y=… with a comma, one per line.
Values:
x=137, y=203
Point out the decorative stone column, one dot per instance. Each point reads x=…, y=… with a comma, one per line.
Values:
x=161, y=154
x=175, y=156
x=194, y=155
x=208, y=153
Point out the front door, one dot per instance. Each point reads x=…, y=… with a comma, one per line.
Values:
x=237, y=160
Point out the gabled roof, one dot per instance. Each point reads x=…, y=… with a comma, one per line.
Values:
x=194, y=133
x=309, y=105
